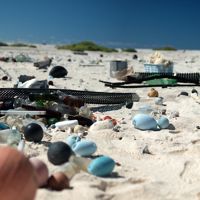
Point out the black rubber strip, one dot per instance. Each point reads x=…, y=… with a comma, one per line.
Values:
x=89, y=97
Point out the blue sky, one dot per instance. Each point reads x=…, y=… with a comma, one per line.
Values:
x=115, y=23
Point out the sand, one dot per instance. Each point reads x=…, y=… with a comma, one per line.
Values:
x=170, y=169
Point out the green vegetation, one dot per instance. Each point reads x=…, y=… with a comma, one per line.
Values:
x=166, y=48
x=2, y=44
x=22, y=45
x=86, y=46
x=132, y=50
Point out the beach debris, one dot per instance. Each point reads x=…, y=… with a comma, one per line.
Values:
x=183, y=93
x=144, y=109
x=64, y=125
x=59, y=153
x=153, y=93
x=42, y=172
x=4, y=59
x=80, y=129
x=135, y=57
x=107, y=117
x=81, y=147
x=17, y=175
x=24, y=78
x=21, y=146
x=26, y=84
x=100, y=125
x=174, y=114
x=158, y=64
x=158, y=58
x=81, y=120
x=4, y=78
x=33, y=132
x=119, y=69
x=163, y=122
x=22, y=58
x=33, y=83
x=195, y=96
x=82, y=53
x=144, y=122
x=72, y=139
x=163, y=111
x=58, y=72
x=74, y=166
x=52, y=120
x=70, y=100
x=116, y=66
x=58, y=181
x=146, y=150
x=44, y=63
x=194, y=91
x=84, y=148
x=85, y=111
x=10, y=137
x=4, y=126
x=116, y=128
x=159, y=101
x=174, y=131
x=101, y=166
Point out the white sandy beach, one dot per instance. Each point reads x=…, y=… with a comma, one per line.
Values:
x=170, y=171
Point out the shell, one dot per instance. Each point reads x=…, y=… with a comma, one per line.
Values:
x=17, y=176
x=42, y=172
x=84, y=148
x=101, y=166
x=163, y=122
x=153, y=93
x=58, y=181
x=144, y=122
x=72, y=139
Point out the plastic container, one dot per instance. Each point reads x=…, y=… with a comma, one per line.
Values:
x=22, y=112
x=116, y=66
x=143, y=109
x=158, y=68
x=11, y=137
x=62, y=125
